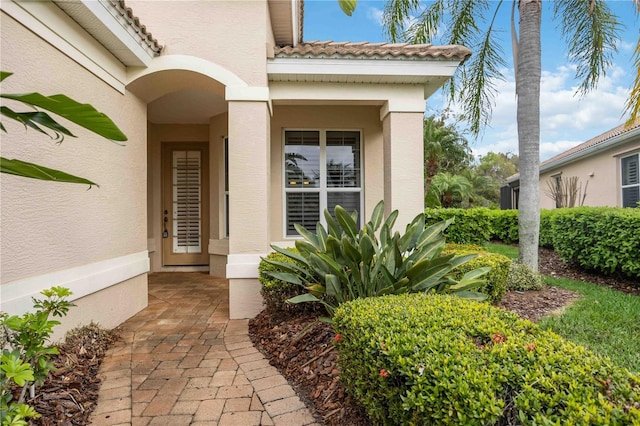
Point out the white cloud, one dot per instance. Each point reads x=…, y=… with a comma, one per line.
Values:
x=565, y=119
x=376, y=15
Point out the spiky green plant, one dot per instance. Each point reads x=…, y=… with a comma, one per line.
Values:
x=373, y=261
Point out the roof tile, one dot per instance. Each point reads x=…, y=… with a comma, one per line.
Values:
x=134, y=21
x=371, y=50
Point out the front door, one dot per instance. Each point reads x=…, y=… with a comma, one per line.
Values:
x=185, y=203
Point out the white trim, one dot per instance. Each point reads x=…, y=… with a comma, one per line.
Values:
x=121, y=30
x=396, y=67
x=51, y=24
x=243, y=265
x=402, y=105
x=81, y=280
x=294, y=22
x=245, y=93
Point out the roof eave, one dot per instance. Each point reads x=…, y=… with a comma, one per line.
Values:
x=587, y=152
x=110, y=24
x=398, y=70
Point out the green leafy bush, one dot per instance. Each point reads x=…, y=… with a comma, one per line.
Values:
x=504, y=225
x=440, y=360
x=522, y=278
x=599, y=238
x=342, y=263
x=496, y=279
x=275, y=291
x=470, y=226
x=25, y=358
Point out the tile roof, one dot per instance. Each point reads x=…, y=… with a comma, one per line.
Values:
x=134, y=21
x=326, y=49
x=616, y=131
x=587, y=146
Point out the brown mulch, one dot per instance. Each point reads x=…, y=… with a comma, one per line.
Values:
x=70, y=393
x=302, y=349
x=298, y=345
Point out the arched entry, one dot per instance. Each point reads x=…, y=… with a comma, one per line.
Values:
x=187, y=121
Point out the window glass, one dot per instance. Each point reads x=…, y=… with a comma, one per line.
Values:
x=343, y=159
x=322, y=169
x=302, y=159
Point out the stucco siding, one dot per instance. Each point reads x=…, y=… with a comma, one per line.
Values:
x=49, y=226
x=363, y=118
x=232, y=34
x=600, y=171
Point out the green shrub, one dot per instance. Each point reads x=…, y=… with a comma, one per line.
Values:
x=25, y=358
x=343, y=263
x=440, y=360
x=275, y=291
x=470, y=226
x=522, y=278
x=545, y=238
x=504, y=225
x=600, y=238
x=496, y=279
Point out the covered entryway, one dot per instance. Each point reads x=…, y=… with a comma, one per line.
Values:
x=187, y=124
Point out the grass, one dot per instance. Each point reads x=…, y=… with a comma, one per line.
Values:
x=506, y=250
x=604, y=320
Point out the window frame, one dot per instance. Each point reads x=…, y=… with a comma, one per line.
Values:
x=322, y=189
x=623, y=187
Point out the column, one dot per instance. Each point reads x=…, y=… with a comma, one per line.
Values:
x=249, y=157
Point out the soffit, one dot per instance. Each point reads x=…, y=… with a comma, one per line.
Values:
x=114, y=25
x=286, y=21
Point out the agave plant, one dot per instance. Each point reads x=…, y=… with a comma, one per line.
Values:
x=341, y=263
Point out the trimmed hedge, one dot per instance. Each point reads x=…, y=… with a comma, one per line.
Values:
x=471, y=226
x=605, y=239
x=496, y=285
x=432, y=359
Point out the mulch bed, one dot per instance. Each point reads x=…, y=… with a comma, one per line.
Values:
x=297, y=344
x=70, y=393
x=302, y=349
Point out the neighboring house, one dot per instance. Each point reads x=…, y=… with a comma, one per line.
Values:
x=237, y=130
x=607, y=166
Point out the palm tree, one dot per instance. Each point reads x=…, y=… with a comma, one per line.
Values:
x=589, y=28
x=445, y=149
x=448, y=190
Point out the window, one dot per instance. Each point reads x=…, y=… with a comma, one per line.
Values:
x=630, y=180
x=322, y=170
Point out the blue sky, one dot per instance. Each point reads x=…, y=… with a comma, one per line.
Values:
x=566, y=120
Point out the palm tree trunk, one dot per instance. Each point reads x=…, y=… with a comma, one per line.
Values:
x=528, y=91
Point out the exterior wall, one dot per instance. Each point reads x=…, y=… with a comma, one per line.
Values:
x=364, y=118
x=601, y=171
x=159, y=133
x=233, y=34
x=48, y=227
x=218, y=243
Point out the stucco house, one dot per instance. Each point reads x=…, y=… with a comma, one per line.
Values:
x=237, y=129
x=606, y=167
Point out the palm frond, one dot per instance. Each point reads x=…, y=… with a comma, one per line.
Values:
x=396, y=14
x=591, y=31
x=481, y=74
x=632, y=107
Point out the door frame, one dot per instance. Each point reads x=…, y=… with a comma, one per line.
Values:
x=168, y=258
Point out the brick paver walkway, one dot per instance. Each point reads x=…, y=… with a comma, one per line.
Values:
x=183, y=362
